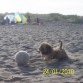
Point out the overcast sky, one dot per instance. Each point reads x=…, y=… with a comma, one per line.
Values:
x=65, y=7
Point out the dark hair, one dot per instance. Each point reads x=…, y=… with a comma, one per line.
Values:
x=45, y=49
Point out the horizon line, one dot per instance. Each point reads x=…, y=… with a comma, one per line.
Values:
x=40, y=13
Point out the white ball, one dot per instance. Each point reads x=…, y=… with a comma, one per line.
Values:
x=22, y=58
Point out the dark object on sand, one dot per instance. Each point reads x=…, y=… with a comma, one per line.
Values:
x=48, y=52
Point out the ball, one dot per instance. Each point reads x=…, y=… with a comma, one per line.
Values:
x=22, y=58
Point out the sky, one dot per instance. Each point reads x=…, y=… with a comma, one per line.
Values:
x=66, y=7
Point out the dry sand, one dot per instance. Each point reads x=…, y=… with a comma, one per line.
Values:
x=28, y=37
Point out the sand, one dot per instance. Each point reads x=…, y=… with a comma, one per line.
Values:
x=14, y=38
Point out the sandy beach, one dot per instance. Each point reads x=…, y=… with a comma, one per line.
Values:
x=14, y=38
